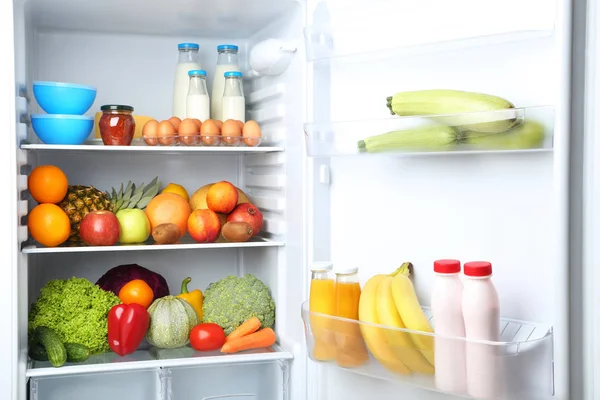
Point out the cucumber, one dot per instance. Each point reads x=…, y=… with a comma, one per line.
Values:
x=75, y=352
x=57, y=354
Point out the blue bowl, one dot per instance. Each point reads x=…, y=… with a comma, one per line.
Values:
x=64, y=98
x=62, y=129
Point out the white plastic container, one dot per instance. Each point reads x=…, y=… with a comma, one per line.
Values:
x=481, y=312
x=197, y=103
x=227, y=61
x=233, y=103
x=446, y=306
x=188, y=60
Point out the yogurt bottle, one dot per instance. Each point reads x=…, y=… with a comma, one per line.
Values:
x=446, y=306
x=481, y=312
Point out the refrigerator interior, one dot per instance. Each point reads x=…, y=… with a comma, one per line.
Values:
x=507, y=207
x=128, y=50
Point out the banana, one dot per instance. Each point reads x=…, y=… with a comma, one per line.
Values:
x=472, y=105
x=374, y=336
x=400, y=341
x=412, y=315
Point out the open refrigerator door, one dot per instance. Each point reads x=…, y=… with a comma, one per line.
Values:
x=480, y=186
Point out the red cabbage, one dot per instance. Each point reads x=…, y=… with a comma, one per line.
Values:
x=115, y=278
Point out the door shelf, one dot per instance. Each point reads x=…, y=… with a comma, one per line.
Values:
x=410, y=28
x=522, y=361
x=97, y=146
x=530, y=129
x=186, y=243
x=152, y=358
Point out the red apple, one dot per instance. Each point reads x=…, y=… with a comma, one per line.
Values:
x=204, y=226
x=246, y=212
x=100, y=228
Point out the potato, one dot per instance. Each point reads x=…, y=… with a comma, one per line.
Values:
x=166, y=233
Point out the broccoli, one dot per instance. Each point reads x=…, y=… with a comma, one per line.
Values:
x=232, y=300
x=77, y=310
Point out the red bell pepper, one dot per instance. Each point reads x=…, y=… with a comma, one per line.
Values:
x=127, y=326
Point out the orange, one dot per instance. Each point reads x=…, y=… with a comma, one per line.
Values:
x=49, y=224
x=177, y=189
x=47, y=184
x=169, y=208
x=136, y=291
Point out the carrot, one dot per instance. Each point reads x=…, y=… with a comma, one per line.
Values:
x=249, y=326
x=264, y=338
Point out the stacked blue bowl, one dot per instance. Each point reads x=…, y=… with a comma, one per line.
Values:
x=65, y=104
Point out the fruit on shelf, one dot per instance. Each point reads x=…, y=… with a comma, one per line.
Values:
x=247, y=213
x=442, y=101
x=171, y=321
x=166, y=233
x=48, y=224
x=47, y=184
x=237, y=231
x=133, y=196
x=198, y=198
x=412, y=315
x=79, y=201
x=177, y=189
x=222, y=197
x=528, y=135
x=137, y=291
x=169, y=208
x=134, y=225
x=115, y=278
x=426, y=138
x=207, y=337
x=204, y=226
x=100, y=228
x=401, y=342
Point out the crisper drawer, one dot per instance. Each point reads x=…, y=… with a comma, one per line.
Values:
x=248, y=381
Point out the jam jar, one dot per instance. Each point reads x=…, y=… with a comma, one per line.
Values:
x=117, y=125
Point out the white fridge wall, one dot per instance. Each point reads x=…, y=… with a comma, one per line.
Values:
x=510, y=209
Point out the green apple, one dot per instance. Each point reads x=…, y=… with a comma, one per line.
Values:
x=134, y=224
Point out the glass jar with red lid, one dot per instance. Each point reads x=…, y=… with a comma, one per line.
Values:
x=117, y=125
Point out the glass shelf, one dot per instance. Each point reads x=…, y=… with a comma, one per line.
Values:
x=186, y=243
x=522, y=359
x=152, y=358
x=414, y=27
x=529, y=129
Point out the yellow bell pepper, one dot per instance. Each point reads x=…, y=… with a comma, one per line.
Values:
x=195, y=297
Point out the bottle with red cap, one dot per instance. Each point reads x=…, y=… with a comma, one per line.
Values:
x=446, y=306
x=481, y=312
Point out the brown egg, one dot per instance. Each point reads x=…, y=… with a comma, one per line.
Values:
x=198, y=123
x=219, y=123
x=209, y=133
x=251, y=133
x=231, y=132
x=188, y=132
x=240, y=123
x=149, y=132
x=166, y=133
x=175, y=121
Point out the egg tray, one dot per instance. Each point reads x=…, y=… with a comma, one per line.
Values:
x=202, y=140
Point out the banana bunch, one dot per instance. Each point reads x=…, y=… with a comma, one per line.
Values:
x=391, y=300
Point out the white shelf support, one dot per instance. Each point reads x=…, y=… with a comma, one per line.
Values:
x=285, y=372
x=33, y=389
x=164, y=375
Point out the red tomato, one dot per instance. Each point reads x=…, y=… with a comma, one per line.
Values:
x=207, y=337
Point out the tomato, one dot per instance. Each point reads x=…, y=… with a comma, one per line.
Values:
x=207, y=337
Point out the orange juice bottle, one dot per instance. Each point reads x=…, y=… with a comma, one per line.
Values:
x=351, y=348
x=322, y=300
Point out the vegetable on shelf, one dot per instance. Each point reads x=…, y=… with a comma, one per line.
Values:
x=171, y=321
x=57, y=354
x=529, y=134
x=136, y=291
x=76, y=310
x=207, y=337
x=115, y=278
x=75, y=352
x=251, y=325
x=432, y=137
x=230, y=301
x=195, y=297
x=263, y=338
x=127, y=327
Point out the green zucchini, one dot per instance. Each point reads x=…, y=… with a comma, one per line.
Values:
x=75, y=352
x=57, y=354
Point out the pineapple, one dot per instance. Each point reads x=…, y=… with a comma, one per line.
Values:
x=80, y=200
